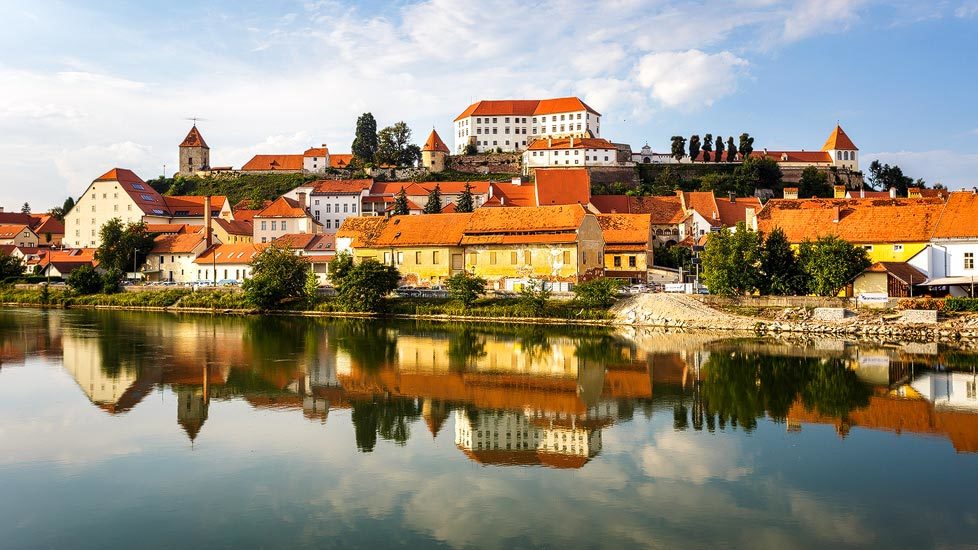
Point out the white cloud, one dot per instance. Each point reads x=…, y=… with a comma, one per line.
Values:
x=810, y=17
x=967, y=9
x=684, y=79
x=694, y=458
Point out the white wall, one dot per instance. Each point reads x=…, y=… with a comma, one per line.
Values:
x=570, y=157
x=102, y=201
x=515, y=133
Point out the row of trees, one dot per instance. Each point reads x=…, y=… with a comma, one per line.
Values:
x=391, y=146
x=433, y=205
x=744, y=262
x=708, y=145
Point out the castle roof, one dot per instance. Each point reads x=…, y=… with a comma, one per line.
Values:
x=194, y=139
x=435, y=143
x=525, y=107
x=273, y=162
x=839, y=140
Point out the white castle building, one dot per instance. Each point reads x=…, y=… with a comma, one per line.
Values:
x=513, y=124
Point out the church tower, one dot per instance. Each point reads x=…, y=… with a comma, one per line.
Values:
x=842, y=150
x=195, y=155
x=434, y=153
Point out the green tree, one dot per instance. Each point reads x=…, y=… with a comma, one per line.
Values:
x=311, y=286
x=666, y=182
x=678, y=148
x=25, y=209
x=719, y=148
x=394, y=147
x=471, y=149
x=123, y=246
x=694, y=147
x=276, y=275
x=830, y=263
x=365, y=141
x=533, y=298
x=110, y=281
x=401, y=204
x=340, y=266
x=746, y=146
x=814, y=183
x=707, y=147
x=780, y=270
x=884, y=176
x=754, y=173
x=465, y=288
x=731, y=261
x=10, y=267
x=363, y=286
x=84, y=280
x=676, y=257
x=433, y=206
x=600, y=292
x=731, y=150
x=465, y=202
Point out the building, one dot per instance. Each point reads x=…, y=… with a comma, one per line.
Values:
x=891, y=279
x=647, y=156
x=233, y=231
x=18, y=235
x=315, y=160
x=332, y=201
x=50, y=231
x=562, y=186
x=511, y=125
x=318, y=250
x=284, y=216
x=61, y=262
x=195, y=155
x=357, y=233
x=172, y=257
x=627, y=246
x=666, y=214
x=705, y=213
x=569, y=152
x=226, y=262
x=379, y=201
x=950, y=258
x=434, y=154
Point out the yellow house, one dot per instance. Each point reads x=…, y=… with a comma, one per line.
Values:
x=232, y=231
x=561, y=245
x=424, y=248
x=627, y=246
x=891, y=230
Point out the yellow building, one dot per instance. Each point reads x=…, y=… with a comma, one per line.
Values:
x=424, y=248
x=627, y=246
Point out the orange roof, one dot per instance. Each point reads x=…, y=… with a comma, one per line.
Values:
x=570, y=143
x=316, y=152
x=960, y=217
x=68, y=255
x=423, y=230
x=704, y=203
x=446, y=187
x=662, y=210
x=145, y=197
x=177, y=244
x=839, y=140
x=225, y=254
x=526, y=458
x=563, y=186
x=193, y=205
x=531, y=224
x=339, y=187
x=435, y=143
x=733, y=212
x=283, y=207
x=340, y=160
x=506, y=194
x=11, y=231
x=525, y=107
x=307, y=241
x=194, y=139
x=273, y=162
x=17, y=218
x=793, y=156
x=859, y=221
x=625, y=228
x=361, y=229
x=50, y=224
x=235, y=227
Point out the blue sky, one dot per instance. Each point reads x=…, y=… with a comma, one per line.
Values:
x=85, y=87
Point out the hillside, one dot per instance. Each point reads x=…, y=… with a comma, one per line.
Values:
x=236, y=187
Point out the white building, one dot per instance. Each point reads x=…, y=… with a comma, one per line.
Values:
x=952, y=390
x=516, y=431
x=951, y=258
x=226, y=262
x=172, y=257
x=284, y=216
x=647, y=156
x=511, y=125
x=569, y=152
x=332, y=201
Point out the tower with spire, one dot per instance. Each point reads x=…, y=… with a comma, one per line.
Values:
x=195, y=155
x=841, y=150
x=435, y=153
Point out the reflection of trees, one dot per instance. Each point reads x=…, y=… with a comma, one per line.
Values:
x=122, y=342
x=534, y=341
x=369, y=343
x=389, y=418
x=740, y=388
x=465, y=347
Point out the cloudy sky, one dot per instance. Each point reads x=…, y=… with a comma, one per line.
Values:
x=84, y=88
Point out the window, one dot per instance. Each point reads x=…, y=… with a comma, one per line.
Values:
x=346, y=208
x=868, y=247
x=631, y=261
x=354, y=208
x=838, y=155
x=970, y=389
x=264, y=225
x=316, y=215
x=417, y=257
x=274, y=225
x=387, y=257
x=617, y=261
x=138, y=187
x=434, y=257
x=898, y=248
x=512, y=257
x=506, y=120
x=284, y=227
x=316, y=202
x=566, y=257
x=969, y=260
x=492, y=258
x=400, y=258
x=527, y=256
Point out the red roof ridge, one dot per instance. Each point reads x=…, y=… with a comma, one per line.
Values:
x=194, y=139
x=435, y=143
x=839, y=140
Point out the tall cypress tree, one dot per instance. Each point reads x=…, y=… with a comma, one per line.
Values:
x=465, y=202
x=694, y=147
x=719, y=147
x=731, y=150
x=401, y=204
x=707, y=147
x=433, y=206
x=365, y=142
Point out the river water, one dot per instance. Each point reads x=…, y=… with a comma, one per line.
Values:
x=138, y=430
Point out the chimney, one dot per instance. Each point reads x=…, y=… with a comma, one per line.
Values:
x=893, y=193
x=840, y=191
x=750, y=218
x=517, y=180
x=208, y=240
x=835, y=214
x=732, y=196
x=791, y=192
x=502, y=200
x=301, y=198
x=862, y=193
x=1, y=210
x=550, y=142
x=572, y=142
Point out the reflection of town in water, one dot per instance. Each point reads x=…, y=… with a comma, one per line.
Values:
x=520, y=395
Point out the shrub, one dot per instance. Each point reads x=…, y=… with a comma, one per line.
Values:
x=364, y=286
x=597, y=292
x=921, y=303
x=84, y=280
x=961, y=304
x=533, y=298
x=465, y=288
x=277, y=274
x=110, y=281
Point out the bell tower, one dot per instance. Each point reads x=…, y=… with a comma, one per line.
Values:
x=195, y=155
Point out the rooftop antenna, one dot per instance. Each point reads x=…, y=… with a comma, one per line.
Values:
x=195, y=119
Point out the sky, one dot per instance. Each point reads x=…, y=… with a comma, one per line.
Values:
x=89, y=86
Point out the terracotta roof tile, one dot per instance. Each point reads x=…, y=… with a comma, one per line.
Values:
x=525, y=107
x=194, y=139
x=731, y=213
x=273, y=162
x=193, y=205
x=224, y=254
x=235, y=227
x=563, y=186
x=307, y=241
x=435, y=143
x=561, y=105
x=839, y=140
x=316, y=152
x=860, y=221
x=423, y=230
x=50, y=224
x=340, y=187
x=793, y=156
x=625, y=228
x=531, y=224
x=507, y=194
x=568, y=143
x=361, y=230
x=340, y=160
x=283, y=207
x=11, y=231
x=960, y=217
x=145, y=197
x=177, y=244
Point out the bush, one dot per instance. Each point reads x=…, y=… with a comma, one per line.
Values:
x=921, y=303
x=961, y=304
x=597, y=292
x=465, y=288
x=364, y=286
x=84, y=280
x=110, y=281
x=277, y=274
x=533, y=299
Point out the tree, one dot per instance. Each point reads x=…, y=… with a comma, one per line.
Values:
x=754, y=173
x=59, y=212
x=719, y=147
x=666, y=182
x=731, y=150
x=25, y=209
x=401, y=204
x=707, y=147
x=597, y=292
x=884, y=176
x=363, y=286
x=465, y=202
x=830, y=263
x=276, y=275
x=746, y=146
x=471, y=149
x=10, y=267
x=720, y=184
x=731, y=261
x=312, y=285
x=123, y=246
x=433, y=206
x=110, y=281
x=780, y=269
x=694, y=147
x=814, y=183
x=678, y=148
x=394, y=147
x=465, y=288
x=84, y=280
x=365, y=142
x=533, y=298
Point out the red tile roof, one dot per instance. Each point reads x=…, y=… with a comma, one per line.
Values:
x=49, y=224
x=194, y=139
x=562, y=105
x=662, y=210
x=860, y=221
x=224, y=254
x=532, y=224
x=235, y=227
x=193, y=205
x=340, y=187
x=316, y=152
x=340, y=160
x=423, y=230
x=17, y=218
x=839, y=140
x=308, y=242
x=273, y=162
x=570, y=143
x=525, y=107
x=793, y=156
x=507, y=194
x=960, y=217
x=361, y=230
x=731, y=213
x=145, y=197
x=625, y=229
x=11, y=231
x=563, y=186
x=435, y=143
x=168, y=228
x=177, y=244
x=283, y=207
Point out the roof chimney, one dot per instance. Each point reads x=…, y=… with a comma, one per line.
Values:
x=893, y=193
x=835, y=214
x=517, y=180
x=1, y=209
x=550, y=142
x=862, y=193
x=208, y=239
x=732, y=196
x=572, y=142
x=300, y=197
x=750, y=218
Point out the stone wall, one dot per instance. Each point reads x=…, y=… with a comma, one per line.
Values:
x=605, y=175
x=491, y=163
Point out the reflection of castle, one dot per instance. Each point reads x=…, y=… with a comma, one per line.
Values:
x=949, y=390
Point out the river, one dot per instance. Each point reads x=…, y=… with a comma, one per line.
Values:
x=146, y=430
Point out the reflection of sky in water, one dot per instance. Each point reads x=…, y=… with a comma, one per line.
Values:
x=75, y=475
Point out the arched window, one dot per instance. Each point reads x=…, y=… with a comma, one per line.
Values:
x=646, y=160
x=838, y=155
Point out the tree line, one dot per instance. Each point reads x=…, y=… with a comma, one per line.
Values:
x=708, y=145
x=391, y=146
